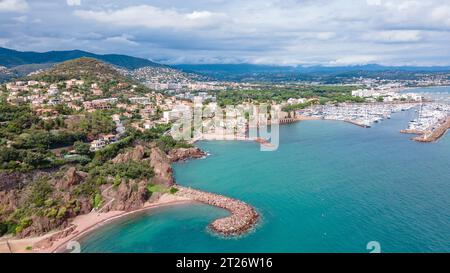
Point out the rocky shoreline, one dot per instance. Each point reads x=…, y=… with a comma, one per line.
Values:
x=243, y=216
x=242, y=219
x=122, y=201
x=183, y=154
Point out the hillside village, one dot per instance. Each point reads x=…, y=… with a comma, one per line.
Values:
x=148, y=97
x=66, y=134
x=82, y=137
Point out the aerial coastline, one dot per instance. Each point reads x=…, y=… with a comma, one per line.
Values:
x=89, y=156
x=242, y=216
x=223, y=135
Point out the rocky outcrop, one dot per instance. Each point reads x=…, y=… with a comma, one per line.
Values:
x=9, y=201
x=136, y=154
x=158, y=160
x=18, y=180
x=161, y=166
x=42, y=224
x=71, y=193
x=71, y=178
x=61, y=203
x=9, y=181
x=130, y=196
x=48, y=242
x=186, y=153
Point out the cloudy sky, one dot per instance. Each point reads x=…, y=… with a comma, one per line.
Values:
x=328, y=32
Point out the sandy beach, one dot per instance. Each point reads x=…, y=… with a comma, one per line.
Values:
x=80, y=226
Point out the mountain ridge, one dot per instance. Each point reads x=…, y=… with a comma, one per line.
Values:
x=325, y=74
x=264, y=68
x=11, y=58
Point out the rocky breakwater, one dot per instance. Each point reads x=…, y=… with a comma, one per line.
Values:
x=430, y=135
x=243, y=216
x=436, y=134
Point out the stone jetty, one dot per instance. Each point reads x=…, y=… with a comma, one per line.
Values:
x=243, y=216
x=435, y=134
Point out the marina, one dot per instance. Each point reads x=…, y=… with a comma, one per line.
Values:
x=364, y=115
x=429, y=117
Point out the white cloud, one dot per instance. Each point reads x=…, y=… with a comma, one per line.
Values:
x=153, y=17
x=394, y=36
x=21, y=19
x=4, y=42
x=122, y=39
x=441, y=14
x=411, y=13
x=13, y=5
x=339, y=32
x=335, y=32
x=354, y=60
x=325, y=35
x=374, y=2
x=73, y=2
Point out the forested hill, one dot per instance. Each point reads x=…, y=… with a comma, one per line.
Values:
x=12, y=58
x=82, y=68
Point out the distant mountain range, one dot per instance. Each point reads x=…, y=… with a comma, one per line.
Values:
x=254, y=68
x=19, y=64
x=325, y=74
x=13, y=58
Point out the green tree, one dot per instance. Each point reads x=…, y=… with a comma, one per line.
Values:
x=35, y=159
x=40, y=192
x=81, y=148
x=97, y=201
x=3, y=228
x=97, y=123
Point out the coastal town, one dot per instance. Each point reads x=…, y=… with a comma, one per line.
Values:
x=173, y=95
x=101, y=130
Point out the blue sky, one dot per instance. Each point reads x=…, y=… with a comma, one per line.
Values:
x=288, y=32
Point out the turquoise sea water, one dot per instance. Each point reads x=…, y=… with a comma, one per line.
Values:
x=330, y=187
